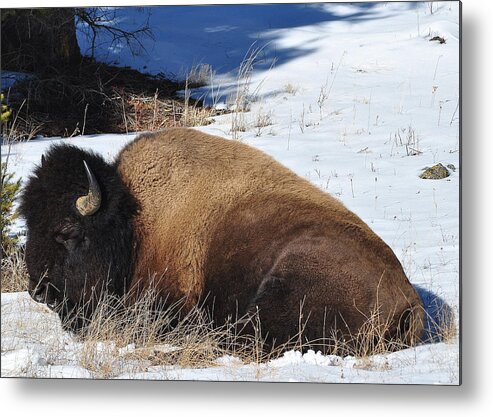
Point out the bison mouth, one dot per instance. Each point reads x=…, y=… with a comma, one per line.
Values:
x=46, y=293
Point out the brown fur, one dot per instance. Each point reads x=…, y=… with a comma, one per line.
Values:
x=222, y=221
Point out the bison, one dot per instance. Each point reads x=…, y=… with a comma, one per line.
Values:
x=223, y=226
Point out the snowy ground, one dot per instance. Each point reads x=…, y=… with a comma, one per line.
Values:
x=351, y=86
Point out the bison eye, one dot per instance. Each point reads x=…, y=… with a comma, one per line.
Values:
x=71, y=239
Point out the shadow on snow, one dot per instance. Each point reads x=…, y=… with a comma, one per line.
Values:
x=220, y=35
x=439, y=317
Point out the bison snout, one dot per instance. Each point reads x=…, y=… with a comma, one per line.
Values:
x=38, y=294
x=45, y=293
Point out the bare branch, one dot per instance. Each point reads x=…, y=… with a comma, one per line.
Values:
x=98, y=20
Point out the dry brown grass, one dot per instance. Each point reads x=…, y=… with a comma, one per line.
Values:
x=132, y=338
x=373, y=337
x=140, y=112
x=14, y=272
x=240, y=101
x=376, y=336
x=129, y=337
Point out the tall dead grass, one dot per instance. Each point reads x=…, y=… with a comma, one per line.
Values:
x=240, y=101
x=14, y=271
x=126, y=337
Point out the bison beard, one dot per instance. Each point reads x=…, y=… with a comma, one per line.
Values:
x=222, y=225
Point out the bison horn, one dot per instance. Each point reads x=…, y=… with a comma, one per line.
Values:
x=90, y=203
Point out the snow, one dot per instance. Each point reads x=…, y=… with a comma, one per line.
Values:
x=10, y=77
x=351, y=85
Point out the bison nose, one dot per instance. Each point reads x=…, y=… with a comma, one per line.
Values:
x=39, y=293
x=44, y=293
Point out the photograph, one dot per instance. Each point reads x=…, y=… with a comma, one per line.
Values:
x=258, y=192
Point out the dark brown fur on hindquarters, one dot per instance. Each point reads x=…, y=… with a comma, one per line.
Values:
x=222, y=225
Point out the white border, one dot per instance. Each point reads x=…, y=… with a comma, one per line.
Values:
x=148, y=399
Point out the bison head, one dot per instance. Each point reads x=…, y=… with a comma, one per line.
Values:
x=80, y=237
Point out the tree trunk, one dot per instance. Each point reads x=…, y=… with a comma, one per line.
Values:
x=39, y=40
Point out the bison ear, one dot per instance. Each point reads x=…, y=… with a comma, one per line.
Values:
x=42, y=160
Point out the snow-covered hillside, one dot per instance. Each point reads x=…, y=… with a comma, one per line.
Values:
x=356, y=98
